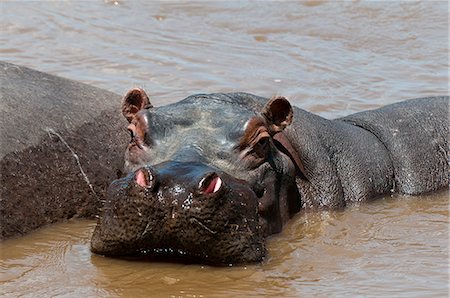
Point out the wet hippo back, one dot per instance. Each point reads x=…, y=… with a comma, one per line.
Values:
x=61, y=145
x=415, y=134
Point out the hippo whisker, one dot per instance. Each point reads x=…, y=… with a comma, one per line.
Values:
x=193, y=219
x=146, y=230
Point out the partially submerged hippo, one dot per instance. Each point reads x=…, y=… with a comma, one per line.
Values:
x=61, y=144
x=211, y=176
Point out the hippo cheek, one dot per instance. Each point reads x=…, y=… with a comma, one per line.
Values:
x=278, y=196
x=268, y=206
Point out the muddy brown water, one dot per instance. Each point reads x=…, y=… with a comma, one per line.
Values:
x=332, y=58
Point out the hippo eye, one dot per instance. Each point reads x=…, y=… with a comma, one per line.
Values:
x=132, y=134
x=261, y=146
x=263, y=142
x=132, y=130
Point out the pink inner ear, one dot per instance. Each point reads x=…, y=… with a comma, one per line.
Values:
x=214, y=186
x=140, y=179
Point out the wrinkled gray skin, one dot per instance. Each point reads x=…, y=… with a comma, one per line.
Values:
x=267, y=152
x=61, y=144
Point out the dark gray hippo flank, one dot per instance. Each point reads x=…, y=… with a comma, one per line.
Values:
x=61, y=145
x=211, y=176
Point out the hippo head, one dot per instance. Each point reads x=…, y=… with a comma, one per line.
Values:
x=205, y=178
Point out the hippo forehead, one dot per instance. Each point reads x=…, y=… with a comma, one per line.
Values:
x=197, y=129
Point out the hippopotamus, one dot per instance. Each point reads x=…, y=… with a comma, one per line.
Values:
x=210, y=177
x=62, y=144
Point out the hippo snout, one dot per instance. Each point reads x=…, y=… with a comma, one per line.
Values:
x=187, y=209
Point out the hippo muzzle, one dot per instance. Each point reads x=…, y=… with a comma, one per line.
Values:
x=180, y=209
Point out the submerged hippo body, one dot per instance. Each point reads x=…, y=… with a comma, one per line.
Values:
x=61, y=143
x=210, y=176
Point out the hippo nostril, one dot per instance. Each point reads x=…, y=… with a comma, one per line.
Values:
x=210, y=184
x=145, y=178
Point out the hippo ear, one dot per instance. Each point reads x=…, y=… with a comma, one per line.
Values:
x=135, y=100
x=278, y=114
